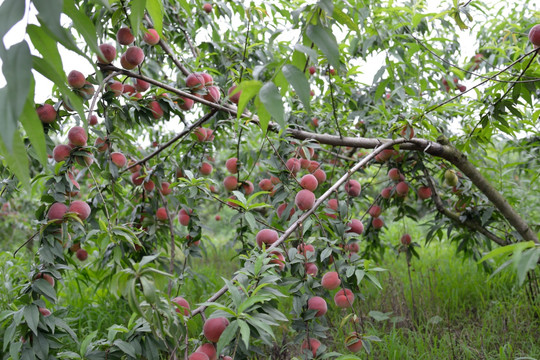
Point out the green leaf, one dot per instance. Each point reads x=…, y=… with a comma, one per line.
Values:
x=244, y=332
x=155, y=10
x=298, y=80
x=149, y=289
x=31, y=316
x=249, y=89
x=17, y=160
x=33, y=128
x=270, y=97
x=506, y=249
x=84, y=26
x=344, y=19
x=45, y=43
x=326, y=5
x=250, y=220
x=86, y=341
x=11, y=11
x=17, y=69
x=263, y=114
x=326, y=42
x=527, y=261
x=126, y=347
x=227, y=336
x=137, y=13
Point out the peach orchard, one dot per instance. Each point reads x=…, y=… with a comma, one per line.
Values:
x=261, y=108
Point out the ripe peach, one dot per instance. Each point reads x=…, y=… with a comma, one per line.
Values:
x=393, y=174
x=81, y=208
x=377, y=223
x=187, y=103
x=293, y=165
x=281, y=208
x=124, y=36
x=207, y=349
x=85, y=160
x=213, y=94
x=141, y=85
x=217, y=217
x=165, y=188
x=278, y=258
x=183, y=217
x=76, y=79
x=118, y=159
x=129, y=90
x=230, y=183
x=534, y=35
x=44, y=311
x=312, y=70
x=232, y=165
x=93, y=120
x=402, y=189
x=116, y=87
x=375, y=211
x=109, y=53
x=305, y=249
x=330, y=280
x=266, y=236
x=82, y=254
x=356, y=226
x=198, y=356
x=56, y=212
x=344, y=298
x=101, y=144
x=206, y=168
x=151, y=37
x=45, y=277
x=353, y=188
x=61, y=152
x=424, y=192
x=333, y=204
x=235, y=97
x=207, y=7
x=352, y=247
x=386, y=192
x=406, y=239
x=195, y=81
x=319, y=304
x=87, y=91
x=200, y=134
x=311, y=269
x=407, y=131
x=248, y=187
x=149, y=185
x=136, y=178
x=353, y=342
x=77, y=136
x=313, y=345
x=46, y=113
x=304, y=199
x=181, y=302
x=161, y=214
x=208, y=80
x=126, y=64
x=134, y=55
x=213, y=328
x=309, y=182
x=384, y=155
x=157, y=111
x=266, y=185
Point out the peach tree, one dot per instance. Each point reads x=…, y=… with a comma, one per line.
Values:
x=315, y=124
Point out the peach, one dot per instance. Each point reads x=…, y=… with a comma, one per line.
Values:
x=45, y=277
x=352, y=247
x=213, y=328
x=320, y=175
x=44, y=311
x=304, y=249
x=232, y=165
x=217, y=217
x=534, y=35
x=386, y=192
x=81, y=208
x=315, y=122
x=344, y=298
x=187, y=103
x=304, y=163
x=375, y=211
x=275, y=180
x=266, y=236
x=312, y=70
x=76, y=79
x=77, y=136
x=266, y=185
x=319, y=304
x=313, y=345
x=200, y=134
x=206, y=168
x=57, y=211
x=124, y=36
x=230, y=183
x=313, y=166
x=333, y=204
x=213, y=94
x=129, y=90
x=281, y=208
x=311, y=269
x=356, y=226
x=161, y=214
x=93, y=120
x=353, y=342
x=407, y=131
x=46, y=113
x=134, y=55
x=377, y=223
x=183, y=217
x=85, y=160
x=235, y=97
x=118, y=159
x=116, y=87
x=207, y=349
x=450, y=177
x=406, y=239
x=330, y=280
x=309, y=182
x=209, y=134
x=402, y=189
x=198, y=356
x=353, y=188
x=151, y=37
x=82, y=254
x=181, y=302
x=279, y=259
x=136, y=178
x=157, y=111
x=149, y=185
x=248, y=187
x=207, y=7
x=393, y=174
x=141, y=85
x=109, y=53
x=293, y=165
x=195, y=81
x=424, y=192
x=304, y=199
x=303, y=155
x=61, y=152
x=384, y=155
x=126, y=64
x=101, y=144
x=165, y=188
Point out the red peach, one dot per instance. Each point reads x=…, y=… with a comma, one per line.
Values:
x=386, y=192
x=116, y=87
x=402, y=189
x=207, y=349
x=82, y=254
x=195, y=81
x=330, y=280
x=141, y=85
x=124, y=36
x=377, y=223
x=44, y=311
x=207, y=8
x=235, y=97
x=126, y=64
x=213, y=94
x=93, y=120
x=424, y=192
x=266, y=185
x=198, y=356
x=206, y=168
x=375, y=211
x=109, y=53
x=187, y=103
x=406, y=239
x=157, y=111
x=217, y=217
x=81, y=208
x=309, y=182
x=248, y=187
x=134, y=55
x=137, y=178
x=282, y=208
x=319, y=304
x=333, y=204
x=151, y=37
x=77, y=136
x=356, y=226
x=312, y=70
x=320, y=175
x=293, y=165
x=118, y=159
x=353, y=342
x=149, y=185
x=165, y=188
x=230, y=183
x=101, y=144
x=344, y=298
x=353, y=188
x=129, y=90
x=57, y=211
x=266, y=236
x=275, y=180
x=393, y=174
x=46, y=277
x=534, y=35
x=161, y=214
x=232, y=165
x=304, y=199
x=181, y=302
x=46, y=113
x=183, y=217
x=304, y=249
x=313, y=345
x=76, y=79
x=208, y=80
x=213, y=328
x=311, y=269
x=61, y=152
x=278, y=258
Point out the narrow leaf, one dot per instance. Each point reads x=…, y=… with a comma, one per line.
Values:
x=270, y=97
x=326, y=42
x=155, y=9
x=298, y=80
